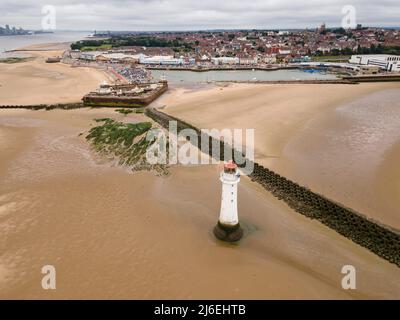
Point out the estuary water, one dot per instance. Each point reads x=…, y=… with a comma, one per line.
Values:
x=181, y=77
x=113, y=234
x=14, y=42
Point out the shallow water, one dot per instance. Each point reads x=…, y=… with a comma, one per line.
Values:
x=112, y=234
x=343, y=154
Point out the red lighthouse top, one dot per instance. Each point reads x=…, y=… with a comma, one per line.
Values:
x=230, y=167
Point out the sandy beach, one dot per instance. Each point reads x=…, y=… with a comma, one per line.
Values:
x=37, y=82
x=341, y=141
x=114, y=234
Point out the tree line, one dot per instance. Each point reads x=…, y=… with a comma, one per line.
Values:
x=379, y=49
x=132, y=41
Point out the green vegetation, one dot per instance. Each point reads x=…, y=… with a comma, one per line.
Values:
x=340, y=58
x=379, y=49
x=339, y=31
x=124, y=111
x=139, y=110
x=14, y=60
x=128, y=111
x=125, y=141
x=261, y=49
x=94, y=48
x=121, y=41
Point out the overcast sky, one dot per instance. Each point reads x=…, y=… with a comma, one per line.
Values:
x=196, y=14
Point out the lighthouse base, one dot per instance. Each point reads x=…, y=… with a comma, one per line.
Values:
x=228, y=233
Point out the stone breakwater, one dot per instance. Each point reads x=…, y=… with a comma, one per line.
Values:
x=379, y=239
x=374, y=78
x=64, y=106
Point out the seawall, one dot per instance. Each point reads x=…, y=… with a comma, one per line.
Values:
x=375, y=78
x=64, y=106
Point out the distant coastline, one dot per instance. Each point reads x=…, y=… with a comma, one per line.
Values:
x=25, y=33
x=8, y=30
x=14, y=42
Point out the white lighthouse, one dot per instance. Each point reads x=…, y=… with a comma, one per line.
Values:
x=228, y=227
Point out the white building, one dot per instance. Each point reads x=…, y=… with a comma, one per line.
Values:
x=117, y=57
x=191, y=61
x=248, y=61
x=269, y=59
x=225, y=60
x=284, y=52
x=75, y=54
x=162, y=60
x=387, y=62
x=90, y=55
x=324, y=49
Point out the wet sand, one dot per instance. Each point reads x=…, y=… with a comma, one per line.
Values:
x=339, y=140
x=37, y=82
x=114, y=234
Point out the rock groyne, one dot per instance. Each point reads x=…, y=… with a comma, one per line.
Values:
x=395, y=77
x=64, y=106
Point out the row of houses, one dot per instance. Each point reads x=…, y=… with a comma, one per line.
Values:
x=390, y=63
x=101, y=56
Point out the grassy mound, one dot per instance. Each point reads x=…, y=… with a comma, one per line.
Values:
x=128, y=111
x=14, y=60
x=124, y=111
x=124, y=141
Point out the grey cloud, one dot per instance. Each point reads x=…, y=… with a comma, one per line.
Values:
x=199, y=14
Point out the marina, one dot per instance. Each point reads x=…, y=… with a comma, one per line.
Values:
x=177, y=77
